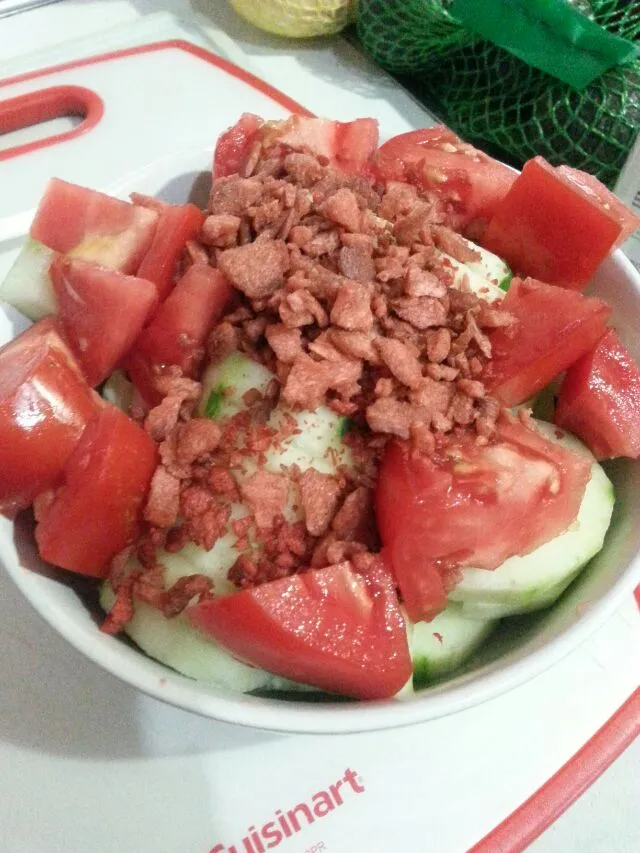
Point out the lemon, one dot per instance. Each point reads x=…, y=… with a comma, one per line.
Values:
x=297, y=18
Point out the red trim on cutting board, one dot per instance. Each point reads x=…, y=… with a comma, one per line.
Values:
x=544, y=807
x=246, y=77
x=93, y=103
x=45, y=105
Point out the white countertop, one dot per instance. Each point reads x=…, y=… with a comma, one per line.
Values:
x=605, y=819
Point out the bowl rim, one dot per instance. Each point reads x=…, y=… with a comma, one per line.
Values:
x=319, y=718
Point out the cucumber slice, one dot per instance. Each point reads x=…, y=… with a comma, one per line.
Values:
x=318, y=443
x=522, y=584
x=118, y=390
x=27, y=285
x=477, y=281
x=442, y=645
x=490, y=267
x=175, y=643
x=225, y=384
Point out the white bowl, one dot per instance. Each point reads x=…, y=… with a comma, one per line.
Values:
x=516, y=654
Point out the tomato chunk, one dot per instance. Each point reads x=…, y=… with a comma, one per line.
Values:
x=177, y=224
x=472, y=506
x=469, y=182
x=554, y=226
x=95, y=513
x=101, y=311
x=347, y=145
x=87, y=224
x=553, y=327
x=234, y=145
x=177, y=333
x=332, y=628
x=599, y=400
x=45, y=405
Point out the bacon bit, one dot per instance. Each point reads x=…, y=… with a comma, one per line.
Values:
x=442, y=371
x=233, y=195
x=356, y=263
x=461, y=410
x=301, y=308
x=438, y=345
x=415, y=227
x=122, y=609
x=384, y=387
x=453, y=244
x=438, y=637
x=266, y=495
x=340, y=550
x=422, y=439
x=162, y=419
x=256, y=269
x=354, y=519
x=419, y=282
x=423, y=312
x=194, y=500
x=472, y=388
x=388, y=415
x=324, y=243
x=355, y=345
x=398, y=200
x=352, y=307
x=163, y=502
x=494, y=318
x=432, y=396
x=319, y=495
x=197, y=439
x=307, y=383
x=342, y=208
x=173, y=384
x=207, y=528
x=401, y=360
x=183, y=591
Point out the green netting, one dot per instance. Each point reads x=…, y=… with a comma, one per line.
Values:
x=497, y=101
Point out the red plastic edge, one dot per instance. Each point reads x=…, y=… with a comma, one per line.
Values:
x=544, y=807
x=44, y=105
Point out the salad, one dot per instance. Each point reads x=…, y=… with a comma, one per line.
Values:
x=295, y=437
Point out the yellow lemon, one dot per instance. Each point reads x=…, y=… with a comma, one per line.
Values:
x=297, y=18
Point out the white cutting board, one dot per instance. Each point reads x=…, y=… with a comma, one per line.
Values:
x=151, y=109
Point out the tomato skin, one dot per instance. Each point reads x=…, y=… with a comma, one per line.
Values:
x=599, y=400
x=87, y=224
x=549, y=228
x=554, y=327
x=332, y=628
x=596, y=191
x=348, y=146
x=92, y=299
x=176, y=225
x=96, y=512
x=473, y=506
x=469, y=182
x=45, y=405
x=234, y=145
x=178, y=331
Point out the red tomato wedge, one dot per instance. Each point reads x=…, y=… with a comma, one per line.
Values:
x=101, y=311
x=610, y=204
x=599, y=400
x=45, y=405
x=87, y=224
x=554, y=225
x=177, y=224
x=331, y=628
x=95, y=514
x=177, y=333
x=347, y=145
x=469, y=182
x=472, y=506
x=553, y=327
x=234, y=145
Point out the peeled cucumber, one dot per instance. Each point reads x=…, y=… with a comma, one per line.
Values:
x=442, y=645
x=225, y=384
x=27, y=286
x=176, y=643
x=536, y=580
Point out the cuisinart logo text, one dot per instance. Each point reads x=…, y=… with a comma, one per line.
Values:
x=285, y=824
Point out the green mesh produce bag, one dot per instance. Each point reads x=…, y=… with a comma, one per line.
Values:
x=500, y=103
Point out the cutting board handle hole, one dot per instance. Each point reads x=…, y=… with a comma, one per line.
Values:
x=46, y=117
